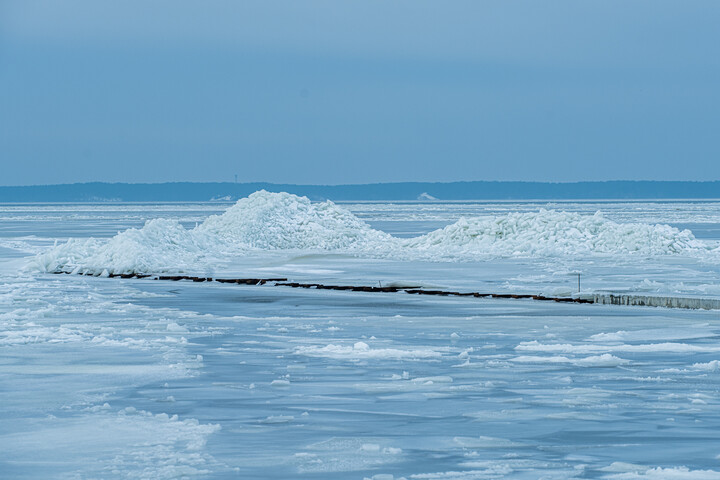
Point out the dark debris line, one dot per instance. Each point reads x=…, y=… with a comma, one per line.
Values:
x=282, y=282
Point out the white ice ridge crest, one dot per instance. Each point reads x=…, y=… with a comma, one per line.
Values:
x=282, y=221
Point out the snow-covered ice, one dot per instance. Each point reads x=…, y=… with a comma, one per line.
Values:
x=128, y=378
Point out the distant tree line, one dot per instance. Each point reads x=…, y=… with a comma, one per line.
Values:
x=405, y=191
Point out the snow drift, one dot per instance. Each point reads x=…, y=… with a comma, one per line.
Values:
x=281, y=221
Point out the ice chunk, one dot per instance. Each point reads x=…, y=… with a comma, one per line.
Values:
x=362, y=351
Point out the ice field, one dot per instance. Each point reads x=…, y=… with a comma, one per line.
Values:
x=127, y=378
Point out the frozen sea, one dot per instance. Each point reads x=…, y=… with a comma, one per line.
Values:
x=127, y=378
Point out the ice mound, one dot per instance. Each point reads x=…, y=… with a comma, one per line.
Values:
x=160, y=246
x=550, y=233
x=264, y=220
x=281, y=221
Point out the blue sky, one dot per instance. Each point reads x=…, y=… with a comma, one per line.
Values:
x=356, y=92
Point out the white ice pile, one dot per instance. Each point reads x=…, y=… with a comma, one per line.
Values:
x=281, y=221
x=262, y=221
x=550, y=233
x=160, y=246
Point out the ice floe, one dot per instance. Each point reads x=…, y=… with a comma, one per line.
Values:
x=604, y=360
x=666, y=347
x=362, y=351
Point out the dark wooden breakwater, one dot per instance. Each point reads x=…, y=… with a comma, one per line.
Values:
x=283, y=282
x=693, y=303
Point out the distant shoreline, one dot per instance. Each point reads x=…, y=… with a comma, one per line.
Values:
x=403, y=191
